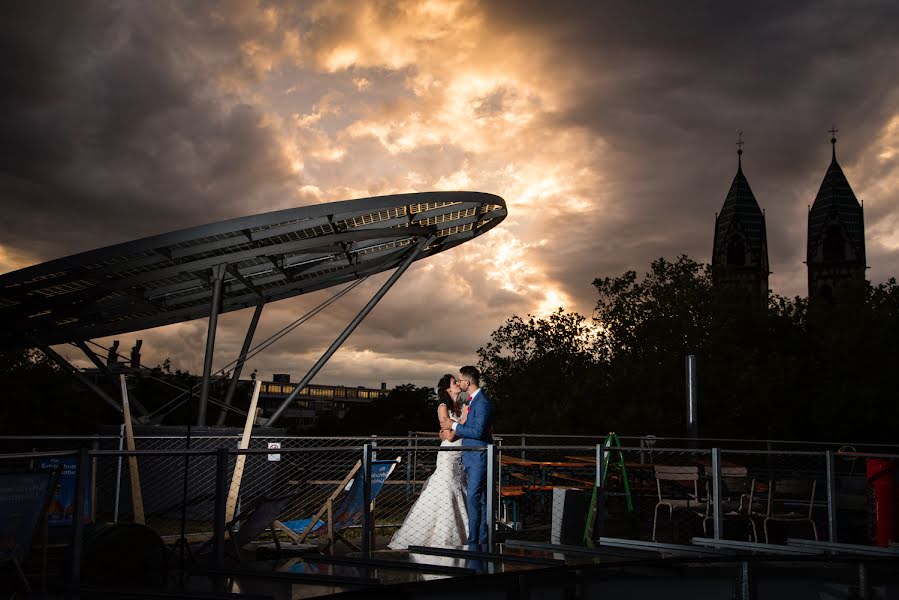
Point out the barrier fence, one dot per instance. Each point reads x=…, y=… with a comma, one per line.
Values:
x=643, y=492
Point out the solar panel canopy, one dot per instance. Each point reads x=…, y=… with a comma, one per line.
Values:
x=169, y=278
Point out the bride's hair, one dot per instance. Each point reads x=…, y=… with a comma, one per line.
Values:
x=443, y=396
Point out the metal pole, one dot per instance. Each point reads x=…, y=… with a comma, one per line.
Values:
x=218, y=276
x=747, y=581
x=118, y=475
x=221, y=493
x=491, y=493
x=416, y=250
x=52, y=355
x=692, y=401
x=78, y=520
x=499, y=475
x=235, y=377
x=599, y=466
x=831, y=497
x=409, y=466
x=716, y=490
x=366, y=500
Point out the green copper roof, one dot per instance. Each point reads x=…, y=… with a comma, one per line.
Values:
x=836, y=199
x=741, y=214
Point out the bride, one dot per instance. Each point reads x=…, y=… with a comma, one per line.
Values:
x=438, y=517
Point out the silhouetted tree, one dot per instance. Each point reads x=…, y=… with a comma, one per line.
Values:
x=542, y=373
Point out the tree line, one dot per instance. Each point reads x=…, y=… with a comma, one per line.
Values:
x=796, y=370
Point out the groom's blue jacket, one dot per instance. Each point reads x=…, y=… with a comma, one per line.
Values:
x=478, y=427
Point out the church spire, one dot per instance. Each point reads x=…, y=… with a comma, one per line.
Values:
x=740, y=247
x=835, y=252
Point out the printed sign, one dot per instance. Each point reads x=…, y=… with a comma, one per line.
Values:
x=22, y=496
x=62, y=507
x=274, y=446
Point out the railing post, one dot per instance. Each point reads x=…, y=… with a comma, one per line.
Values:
x=118, y=475
x=499, y=478
x=366, y=500
x=408, y=466
x=716, y=490
x=831, y=496
x=78, y=520
x=599, y=465
x=642, y=450
x=523, y=443
x=221, y=497
x=491, y=493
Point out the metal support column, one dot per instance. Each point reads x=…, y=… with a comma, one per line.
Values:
x=831, y=497
x=218, y=276
x=235, y=377
x=716, y=491
x=491, y=495
x=52, y=355
x=366, y=500
x=413, y=254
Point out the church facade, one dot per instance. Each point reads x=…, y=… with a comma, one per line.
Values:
x=835, y=254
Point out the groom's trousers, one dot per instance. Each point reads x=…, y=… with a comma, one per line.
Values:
x=476, y=474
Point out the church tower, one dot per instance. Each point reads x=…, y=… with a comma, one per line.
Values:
x=836, y=234
x=740, y=251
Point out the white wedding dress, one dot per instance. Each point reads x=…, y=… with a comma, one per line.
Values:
x=438, y=517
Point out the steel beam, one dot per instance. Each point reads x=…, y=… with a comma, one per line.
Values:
x=235, y=377
x=415, y=251
x=94, y=358
x=218, y=275
x=55, y=357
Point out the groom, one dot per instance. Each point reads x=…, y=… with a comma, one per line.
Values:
x=477, y=431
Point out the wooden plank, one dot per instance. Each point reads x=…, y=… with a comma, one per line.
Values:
x=137, y=500
x=231, y=503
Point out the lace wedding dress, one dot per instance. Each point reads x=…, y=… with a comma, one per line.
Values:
x=438, y=517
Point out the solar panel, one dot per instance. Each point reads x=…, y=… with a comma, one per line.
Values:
x=167, y=278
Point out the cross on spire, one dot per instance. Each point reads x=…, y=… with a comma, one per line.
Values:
x=740, y=143
x=833, y=139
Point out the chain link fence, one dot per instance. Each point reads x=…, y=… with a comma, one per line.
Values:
x=647, y=492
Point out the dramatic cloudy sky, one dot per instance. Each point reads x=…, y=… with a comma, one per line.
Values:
x=608, y=127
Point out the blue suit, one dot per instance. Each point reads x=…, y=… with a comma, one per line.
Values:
x=477, y=431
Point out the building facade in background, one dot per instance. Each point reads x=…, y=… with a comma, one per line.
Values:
x=313, y=401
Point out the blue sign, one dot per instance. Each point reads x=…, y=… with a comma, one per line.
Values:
x=62, y=507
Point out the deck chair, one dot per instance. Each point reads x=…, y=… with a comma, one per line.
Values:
x=24, y=500
x=343, y=508
x=785, y=496
x=262, y=514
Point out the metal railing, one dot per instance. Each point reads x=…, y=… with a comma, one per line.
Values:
x=638, y=492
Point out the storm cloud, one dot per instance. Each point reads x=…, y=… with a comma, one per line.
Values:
x=608, y=128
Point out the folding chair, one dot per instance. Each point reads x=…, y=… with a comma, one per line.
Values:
x=24, y=500
x=784, y=493
x=737, y=499
x=685, y=499
x=340, y=516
